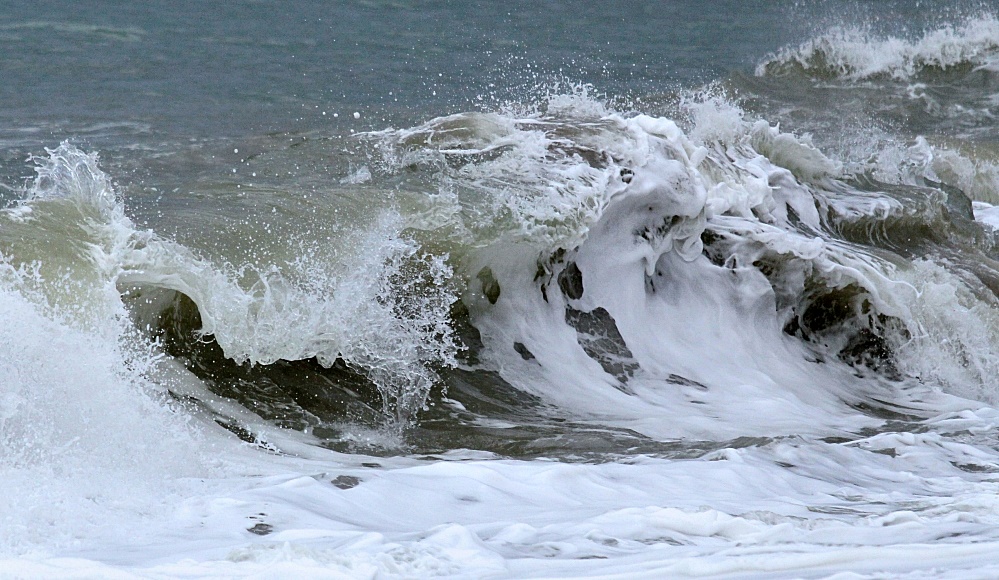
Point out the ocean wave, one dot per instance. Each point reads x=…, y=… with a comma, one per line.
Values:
x=636, y=273
x=383, y=309
x=856, y=54
x=616, y=266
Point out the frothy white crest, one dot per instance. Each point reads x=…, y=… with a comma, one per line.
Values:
x=68, y=173
x=855, y=54
x=547, y=176
x=460, y=133
x=955, y=339
x=974, y=172
x=978, y=178
x=524, y=188
x=382, y=319
x=580, y=103
x=627, y=199
x=796, y=154
x=383, y=308
x=716, y=119
x=720, y=122
x=85, y=437
x=622, y=205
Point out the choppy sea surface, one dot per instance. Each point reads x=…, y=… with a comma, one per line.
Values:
x=500, y=290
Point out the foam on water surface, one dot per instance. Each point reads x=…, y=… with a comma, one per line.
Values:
x=754, y=358
x=858, y=54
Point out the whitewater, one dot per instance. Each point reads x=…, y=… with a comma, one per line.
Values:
x=747, y=328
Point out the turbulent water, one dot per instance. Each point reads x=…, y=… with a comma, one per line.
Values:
x=394, y=289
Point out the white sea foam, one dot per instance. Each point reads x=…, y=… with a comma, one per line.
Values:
x=84, y=434
x=965, y=166
x=785, y=509
x=367, y=307
x=701, y=349
x=700, y=249
x=857, y=54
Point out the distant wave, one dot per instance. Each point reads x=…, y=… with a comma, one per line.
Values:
x=857, y=54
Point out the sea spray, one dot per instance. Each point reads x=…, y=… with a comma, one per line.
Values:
x=748, y=334
x=384, y=313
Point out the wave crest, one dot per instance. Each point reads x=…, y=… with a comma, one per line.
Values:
x=382, y=308
x=855, y=54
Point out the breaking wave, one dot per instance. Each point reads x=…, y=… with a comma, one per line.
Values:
x=729, y=281
x=857, y=54
x=706, y=280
